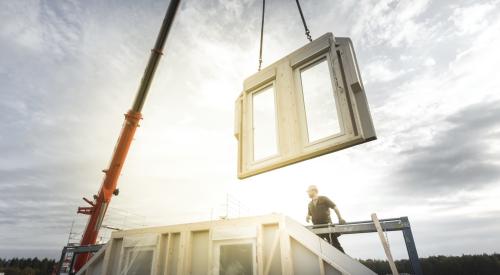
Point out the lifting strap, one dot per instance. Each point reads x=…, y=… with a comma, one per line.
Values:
x=307, y=32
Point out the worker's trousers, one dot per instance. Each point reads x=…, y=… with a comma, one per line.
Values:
x=332, y=239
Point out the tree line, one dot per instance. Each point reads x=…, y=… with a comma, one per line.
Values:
x=444, y=265
x=435, y=265
x=27, y=266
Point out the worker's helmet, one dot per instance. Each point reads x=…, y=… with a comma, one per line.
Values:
x=312, y=188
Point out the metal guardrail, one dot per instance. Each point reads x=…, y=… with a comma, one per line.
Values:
x=394, y=224
x=69, y=254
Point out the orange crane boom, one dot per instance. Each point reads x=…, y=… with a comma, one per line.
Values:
x=99, y=205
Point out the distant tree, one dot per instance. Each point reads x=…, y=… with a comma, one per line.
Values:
x=444, y=265
x=27, y=266
x=434, y=265
x=29, y=271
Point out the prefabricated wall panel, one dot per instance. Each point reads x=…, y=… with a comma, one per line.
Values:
x=272, y=244
x=309, y=103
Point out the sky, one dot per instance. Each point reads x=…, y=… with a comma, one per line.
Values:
x=69, y=71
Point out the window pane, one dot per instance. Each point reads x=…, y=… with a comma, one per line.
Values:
x=140, y=262
x=236, y=259
x=264, y=124
x=319, y=101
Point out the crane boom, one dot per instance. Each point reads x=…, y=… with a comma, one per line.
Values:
x=99, y=205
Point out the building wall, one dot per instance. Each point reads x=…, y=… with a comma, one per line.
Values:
x=272, y=244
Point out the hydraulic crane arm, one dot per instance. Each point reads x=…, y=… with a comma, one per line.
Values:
x=98, y=207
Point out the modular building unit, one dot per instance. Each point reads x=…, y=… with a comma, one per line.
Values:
x=272, y=244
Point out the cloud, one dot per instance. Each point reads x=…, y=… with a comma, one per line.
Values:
x=380, y=71
x=25, y=32
x=473, y=18
x=459, y=157
x=69, y=72
x=45, y=27
x=429, y=62
x=394, y=23
x=457, y=227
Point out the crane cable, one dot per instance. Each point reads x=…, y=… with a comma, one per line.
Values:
x=307, y=32
x=262, y=32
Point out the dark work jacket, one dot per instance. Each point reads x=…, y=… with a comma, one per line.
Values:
x=320, y=213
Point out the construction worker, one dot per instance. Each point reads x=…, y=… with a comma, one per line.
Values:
x=319, y=212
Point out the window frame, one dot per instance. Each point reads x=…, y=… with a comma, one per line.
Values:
x=252, y=93
x=353, y=112
x=128, y=251
x=216, y=252
x=139, y=242
x=339, y=108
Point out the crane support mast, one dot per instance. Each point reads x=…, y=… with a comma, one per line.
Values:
x=99, y=205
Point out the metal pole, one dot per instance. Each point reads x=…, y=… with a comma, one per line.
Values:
x=61, y=260
x=154, y=58
x=412, y=249
x=71, y=265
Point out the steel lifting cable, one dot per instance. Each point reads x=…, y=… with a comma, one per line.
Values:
x=262, y=32
x=307, y=32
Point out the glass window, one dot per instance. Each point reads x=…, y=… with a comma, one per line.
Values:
x=319, y=101
x=264, y=124
x=139, y=262
x=236, y=259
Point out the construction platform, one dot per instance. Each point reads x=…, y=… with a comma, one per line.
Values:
x=271, y=244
